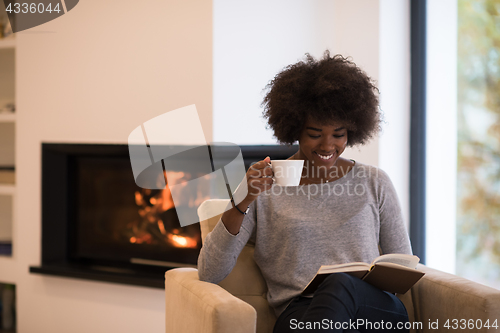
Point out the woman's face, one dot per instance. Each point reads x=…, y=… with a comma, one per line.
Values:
x=322, y=144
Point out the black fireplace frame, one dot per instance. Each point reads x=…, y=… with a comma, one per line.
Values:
x=56, y=213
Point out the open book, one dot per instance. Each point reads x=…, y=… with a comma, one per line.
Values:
x=394, y=273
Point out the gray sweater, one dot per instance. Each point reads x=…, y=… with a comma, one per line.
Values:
x=297, y=229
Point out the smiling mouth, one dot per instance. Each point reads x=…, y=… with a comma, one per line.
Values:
x=325, y=157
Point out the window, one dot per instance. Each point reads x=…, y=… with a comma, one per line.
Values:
x=478, y=153
x=462, y=227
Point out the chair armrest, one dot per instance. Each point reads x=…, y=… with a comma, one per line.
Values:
x=442, y=296
x=196, y=306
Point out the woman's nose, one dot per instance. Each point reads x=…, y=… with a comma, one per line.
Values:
x=327, y=143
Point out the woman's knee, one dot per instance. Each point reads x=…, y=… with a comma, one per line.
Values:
x=339, y=280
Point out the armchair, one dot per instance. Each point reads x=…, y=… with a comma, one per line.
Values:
x=238, y=303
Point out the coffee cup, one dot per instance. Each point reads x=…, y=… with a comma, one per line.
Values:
x=287, y=172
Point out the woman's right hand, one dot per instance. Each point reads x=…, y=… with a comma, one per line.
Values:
x=259, y=179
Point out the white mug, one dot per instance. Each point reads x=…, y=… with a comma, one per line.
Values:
x=287, y=172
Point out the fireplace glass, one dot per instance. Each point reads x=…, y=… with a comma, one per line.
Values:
x=117, y=220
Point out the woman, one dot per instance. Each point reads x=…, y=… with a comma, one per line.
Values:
x=342, y=211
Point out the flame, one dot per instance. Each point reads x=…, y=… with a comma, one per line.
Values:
x=166, y=200
x=181, y=241
x=139, y=199
x=161, y=226
x=150, y=228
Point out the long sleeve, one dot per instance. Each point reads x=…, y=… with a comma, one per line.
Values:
x=393, y=233
x=221, y=249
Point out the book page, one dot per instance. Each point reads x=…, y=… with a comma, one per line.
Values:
x=407, y=260
x=349, y=267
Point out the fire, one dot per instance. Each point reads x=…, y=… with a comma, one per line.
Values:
x=161, y=226
x=156, y=223
x=181, y=241
x=138, y=198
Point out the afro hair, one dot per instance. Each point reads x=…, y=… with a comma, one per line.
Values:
x=332, y=89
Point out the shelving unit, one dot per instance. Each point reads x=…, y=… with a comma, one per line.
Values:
x=8, y=264
x=7, y=153
x=7, y=296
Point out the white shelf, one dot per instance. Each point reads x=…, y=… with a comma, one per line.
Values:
x=8, y=43
x=7, y=117
x=7, y=189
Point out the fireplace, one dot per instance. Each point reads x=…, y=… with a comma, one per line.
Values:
x=98, y=224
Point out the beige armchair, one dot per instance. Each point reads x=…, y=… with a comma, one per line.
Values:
x=238, y=303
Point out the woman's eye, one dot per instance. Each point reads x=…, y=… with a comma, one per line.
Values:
x=318, y=136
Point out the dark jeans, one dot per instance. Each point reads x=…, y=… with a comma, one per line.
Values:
x=343, y=303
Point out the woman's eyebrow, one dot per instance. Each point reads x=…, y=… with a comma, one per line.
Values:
x=320, y=130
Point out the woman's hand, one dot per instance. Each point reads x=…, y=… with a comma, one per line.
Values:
x=259, y=179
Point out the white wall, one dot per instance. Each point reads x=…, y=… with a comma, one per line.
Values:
x=93, y=75
x=253, y=41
